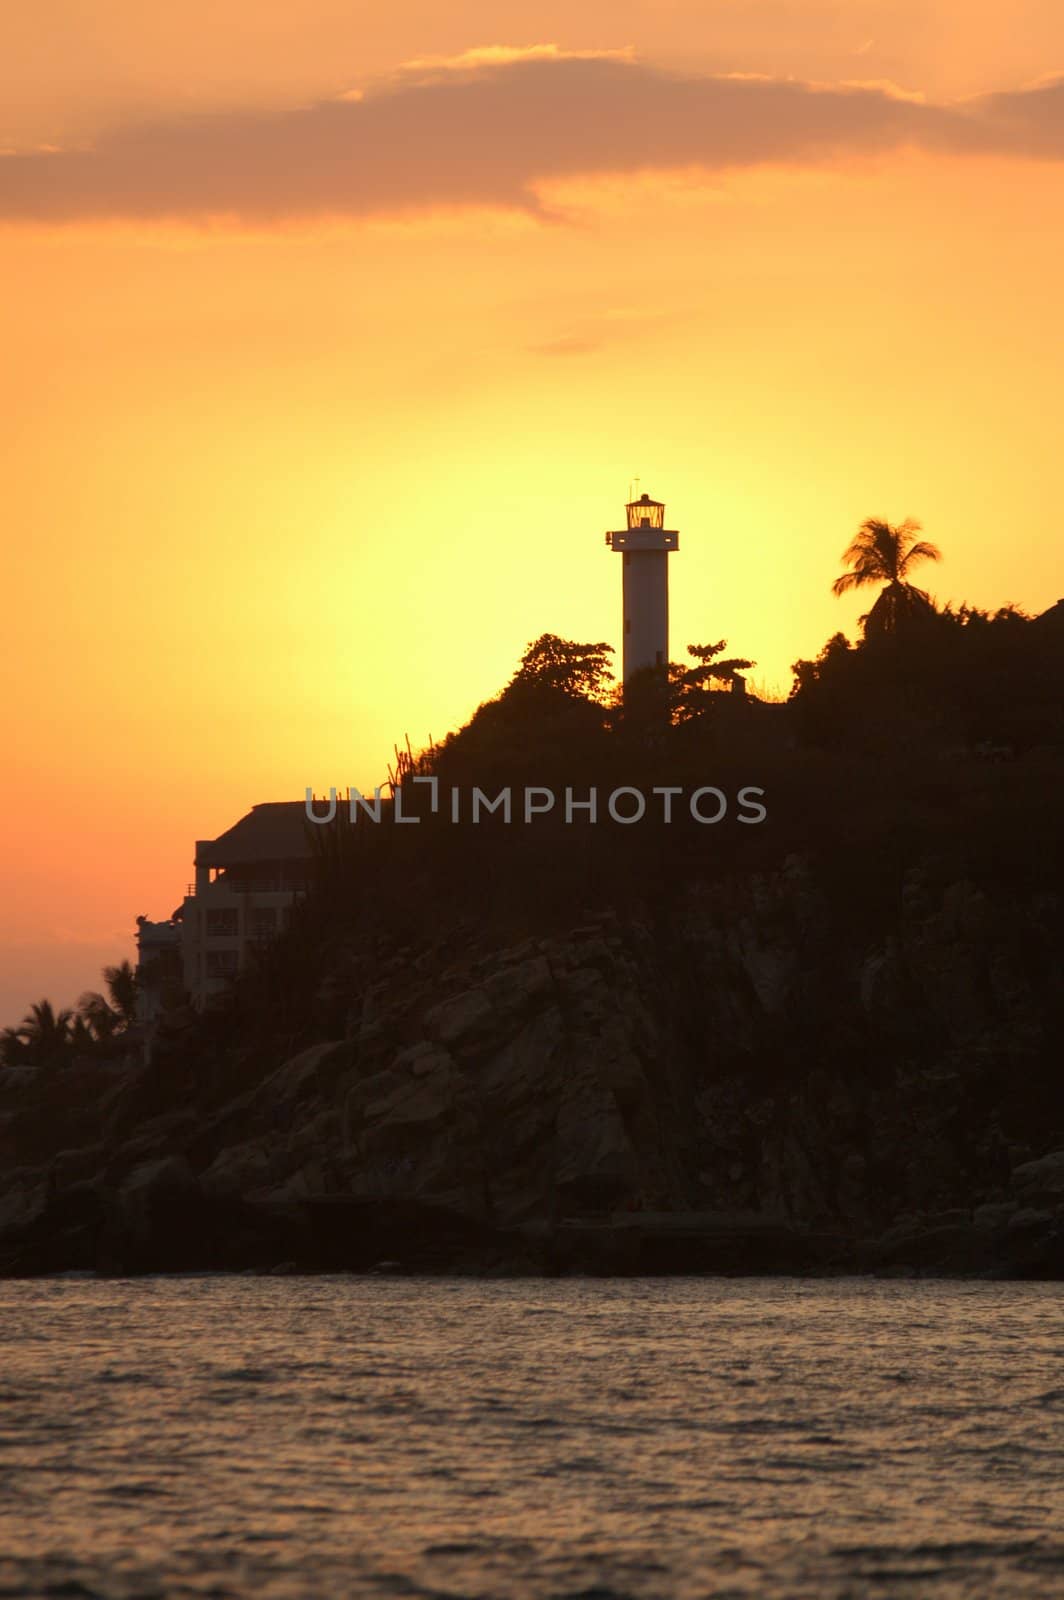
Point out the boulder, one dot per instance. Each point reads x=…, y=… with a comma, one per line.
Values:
x=1040, y=1180
x=304, y=1075
x=241, y=1169
x=463, y=1020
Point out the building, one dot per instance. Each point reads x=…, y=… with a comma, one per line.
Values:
x=160, y=976
x=645, y=543
x=246, y=883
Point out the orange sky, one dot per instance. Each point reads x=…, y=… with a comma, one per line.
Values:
x=325, y=373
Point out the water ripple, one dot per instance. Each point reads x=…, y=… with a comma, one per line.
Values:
x=632, y=1440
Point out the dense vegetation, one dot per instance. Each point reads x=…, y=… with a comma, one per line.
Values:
x=97, y=1026
x=935, y=740
x=938, y=737
x=847, y=1015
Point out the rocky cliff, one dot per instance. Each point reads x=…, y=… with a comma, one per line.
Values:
x=744, y=1082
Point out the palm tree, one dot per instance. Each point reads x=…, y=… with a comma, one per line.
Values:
x=97, y=1016
x=12, y=1047
x=121, y=984
x=882, y=553
x=107, y=1016
x=82, y=1037
x=43, y=1034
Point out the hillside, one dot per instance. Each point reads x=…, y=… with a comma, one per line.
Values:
x=829, y=1041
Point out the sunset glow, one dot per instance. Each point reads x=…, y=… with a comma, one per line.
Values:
x=333, y=347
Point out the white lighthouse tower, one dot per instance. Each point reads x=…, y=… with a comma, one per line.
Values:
x=645, y=544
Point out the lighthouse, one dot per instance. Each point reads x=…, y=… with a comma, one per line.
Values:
x=645, y=545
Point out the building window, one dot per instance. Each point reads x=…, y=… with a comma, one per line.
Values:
x=263, y=921
x=222, y=922
x=221, y=963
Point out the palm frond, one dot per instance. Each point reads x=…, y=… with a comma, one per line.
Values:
x=923, y=550
x=854, y=580
x=882, y=552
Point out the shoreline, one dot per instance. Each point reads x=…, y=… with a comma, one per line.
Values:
x=406, y=1237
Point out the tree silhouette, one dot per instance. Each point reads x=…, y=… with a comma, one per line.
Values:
x=104, y=1017
x=41, y=1036
x=81, y=1038
x=881, y=552
x=675, y=693
x=575, y=669
x=699, y=680
x=121, y=981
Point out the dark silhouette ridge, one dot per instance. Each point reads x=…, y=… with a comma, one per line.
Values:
x=828, y=1041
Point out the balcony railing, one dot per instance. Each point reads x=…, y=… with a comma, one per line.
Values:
x=248, y=886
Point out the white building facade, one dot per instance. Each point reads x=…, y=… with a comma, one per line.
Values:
x=247, y=881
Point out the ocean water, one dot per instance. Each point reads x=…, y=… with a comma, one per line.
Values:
x=232, y=1436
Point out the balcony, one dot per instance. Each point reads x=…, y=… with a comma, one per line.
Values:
x=241, y=886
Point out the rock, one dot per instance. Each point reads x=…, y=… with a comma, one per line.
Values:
x=595, y=1163
x=422, y=1058
x=1041, y=1179
x=886, y=992
x=304, y=1182
x=1030, y=1220
x=154, y=1221
x=303, y=1075
x=771, y=968
x=409, y=1103
x=151, y=1141
x=407, y=1134
x=514, y=987
x=73, y=1166
x=240, y=1169
x=24, y=1198
x=171, y=1174
x=953, y=1250
x=745, y=1052
x=994, y=1217
x=462, y=1020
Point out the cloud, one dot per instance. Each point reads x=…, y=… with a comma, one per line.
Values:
x=497, y=55
x=1027, y=122
x=483, y=129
